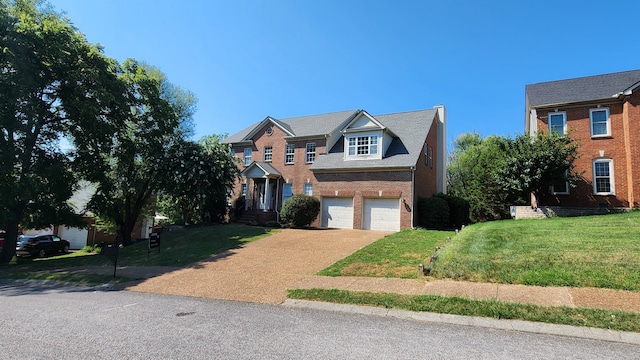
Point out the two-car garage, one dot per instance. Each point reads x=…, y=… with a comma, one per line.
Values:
x=377, y=213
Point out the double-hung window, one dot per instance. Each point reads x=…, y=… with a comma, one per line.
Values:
x=308, y=189
x=603, y=177
x=287, y=191
x=311, y=153
x=247, y=156
x=600, y=123
x=561, y=187
x=243, y=190
x=268, y=153
x=289, y=154
x=557, y=122
x=363, y=145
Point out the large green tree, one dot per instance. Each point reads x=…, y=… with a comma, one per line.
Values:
x=53, y=82
x=129, y=173
x=535, y=163
x=198, y=182
x=471, y=171
x=496, y=172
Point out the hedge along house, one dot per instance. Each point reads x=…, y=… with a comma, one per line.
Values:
x=602, y=113
x=368, y=171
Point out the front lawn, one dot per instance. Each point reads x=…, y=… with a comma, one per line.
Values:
x=395, y=255
x=178, y=248
x=591, y=251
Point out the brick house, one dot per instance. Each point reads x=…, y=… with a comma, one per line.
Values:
x=368, y=171
x=603, y=113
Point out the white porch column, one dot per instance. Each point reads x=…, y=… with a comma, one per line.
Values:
x=247, y=197
x=267, y=197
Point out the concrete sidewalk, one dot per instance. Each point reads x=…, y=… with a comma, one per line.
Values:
x=537, y=295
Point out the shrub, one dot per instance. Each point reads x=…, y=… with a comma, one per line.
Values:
x=459, y=209
x=299, y=210
x=434, y=213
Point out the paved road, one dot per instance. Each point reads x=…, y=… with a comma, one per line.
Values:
x=72, y=323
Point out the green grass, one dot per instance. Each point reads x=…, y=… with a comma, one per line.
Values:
x=178, y=248
x=395, y=255
x=605, y=319
x=592, y=251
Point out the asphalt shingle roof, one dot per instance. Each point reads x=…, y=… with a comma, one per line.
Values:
x=590, y=88
x=411, y=129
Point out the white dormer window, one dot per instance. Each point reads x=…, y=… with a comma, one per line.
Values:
x=362, y=145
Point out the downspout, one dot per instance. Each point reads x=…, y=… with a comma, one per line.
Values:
x=413, y=203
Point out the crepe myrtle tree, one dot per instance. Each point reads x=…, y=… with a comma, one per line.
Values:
x=198, y=182
x=55, y=85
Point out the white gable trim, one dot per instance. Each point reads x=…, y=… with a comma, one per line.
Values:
x=263, y=123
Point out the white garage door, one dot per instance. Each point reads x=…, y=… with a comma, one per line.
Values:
x=77, y=237
x=337, y=213
x=381, y=214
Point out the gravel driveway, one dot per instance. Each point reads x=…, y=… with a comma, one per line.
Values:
x=262, y=270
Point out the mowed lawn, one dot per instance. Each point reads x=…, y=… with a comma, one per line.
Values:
x=591, y=251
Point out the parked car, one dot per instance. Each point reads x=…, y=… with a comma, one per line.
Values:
x=41, y=245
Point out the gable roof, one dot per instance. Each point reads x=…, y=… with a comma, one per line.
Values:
x=583, y=89
x=411, y=129
x=303, y=126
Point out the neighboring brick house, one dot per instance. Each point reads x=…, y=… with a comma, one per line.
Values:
x=368, y=171
x=602, y=113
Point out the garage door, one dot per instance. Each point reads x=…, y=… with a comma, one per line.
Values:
x=337, y=213
x=77, y=237
x=381, y=214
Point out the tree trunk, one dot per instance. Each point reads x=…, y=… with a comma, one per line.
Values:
x=10, y=236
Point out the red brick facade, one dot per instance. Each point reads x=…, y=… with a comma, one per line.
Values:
x=406, y=183
x=621, y=146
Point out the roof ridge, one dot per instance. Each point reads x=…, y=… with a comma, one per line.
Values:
x=586, y=77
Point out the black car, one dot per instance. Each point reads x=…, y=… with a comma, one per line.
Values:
x=41, y=245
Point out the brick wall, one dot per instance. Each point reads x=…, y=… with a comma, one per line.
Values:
x=615, y=147
x=384, y=184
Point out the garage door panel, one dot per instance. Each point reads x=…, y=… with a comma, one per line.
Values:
x=381, y=214
x=76, y=237
x=337, y=213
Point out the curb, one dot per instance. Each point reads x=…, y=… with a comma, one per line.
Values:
x=506, y=324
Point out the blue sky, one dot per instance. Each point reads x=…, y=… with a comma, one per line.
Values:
x=249, y=59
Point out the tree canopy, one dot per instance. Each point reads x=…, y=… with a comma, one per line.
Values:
x=496, y=172
x=53, y=82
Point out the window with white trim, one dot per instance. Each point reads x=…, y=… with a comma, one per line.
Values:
x=287, y=191
x=289, y=154
x=362, y=145
x=308, y=189
x=311, y=153
x=561, y=187
x=268, y=153
x=600, y=124
x=243, y=190
x=603, y=177
x=558, y=122
x=247, y=156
